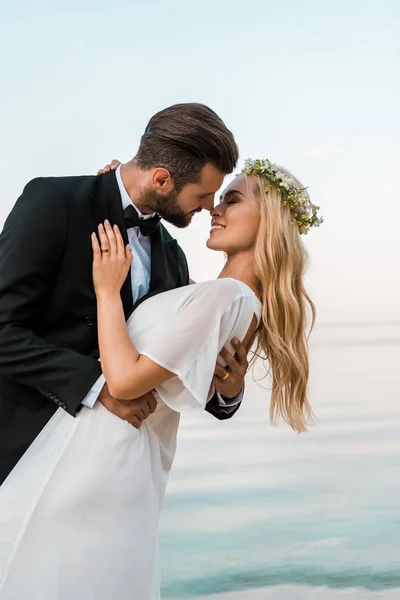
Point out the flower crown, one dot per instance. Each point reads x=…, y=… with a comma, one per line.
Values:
x=303, y=211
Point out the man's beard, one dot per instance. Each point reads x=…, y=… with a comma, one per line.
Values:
x=167, y=206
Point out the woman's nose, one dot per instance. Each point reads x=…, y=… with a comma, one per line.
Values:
x=216, y=211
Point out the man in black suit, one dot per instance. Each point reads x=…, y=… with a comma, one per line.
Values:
x=48, y=333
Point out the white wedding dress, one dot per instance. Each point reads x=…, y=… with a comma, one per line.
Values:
x=79, y=512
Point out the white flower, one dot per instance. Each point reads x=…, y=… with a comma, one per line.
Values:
x=304, y=212
x=285, y=181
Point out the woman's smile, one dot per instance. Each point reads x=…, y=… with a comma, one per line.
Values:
x=215, y=226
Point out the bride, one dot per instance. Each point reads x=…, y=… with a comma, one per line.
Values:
x=87, y=495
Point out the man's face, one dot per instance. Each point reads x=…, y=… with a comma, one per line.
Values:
x=179, y=209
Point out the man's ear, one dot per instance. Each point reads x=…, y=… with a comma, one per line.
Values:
x=161, y=181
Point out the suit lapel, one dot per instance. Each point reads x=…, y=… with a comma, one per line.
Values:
x=107, y=204
x=164, y=264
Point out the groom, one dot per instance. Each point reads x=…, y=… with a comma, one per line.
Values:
x=48, y=326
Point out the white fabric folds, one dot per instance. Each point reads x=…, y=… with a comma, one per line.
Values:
x=79, y=512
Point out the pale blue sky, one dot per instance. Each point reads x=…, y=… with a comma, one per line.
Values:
x=312, y=85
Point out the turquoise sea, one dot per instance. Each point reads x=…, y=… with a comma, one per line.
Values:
x=260, y=513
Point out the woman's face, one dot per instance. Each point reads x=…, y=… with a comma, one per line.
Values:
x=236, y=219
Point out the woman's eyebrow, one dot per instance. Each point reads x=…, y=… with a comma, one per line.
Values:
x=230, y=193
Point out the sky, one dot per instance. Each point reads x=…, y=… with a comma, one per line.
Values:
x=314, y=86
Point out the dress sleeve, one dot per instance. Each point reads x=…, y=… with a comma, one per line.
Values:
x=188, y=343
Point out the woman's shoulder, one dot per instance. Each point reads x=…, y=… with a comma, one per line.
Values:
x=226, y=285
x=216, y=294
x=225, y=291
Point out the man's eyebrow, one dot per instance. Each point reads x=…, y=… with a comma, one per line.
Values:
x=230, y=193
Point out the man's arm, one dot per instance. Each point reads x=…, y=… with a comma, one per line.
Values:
x=223, y=409
x=31, y=248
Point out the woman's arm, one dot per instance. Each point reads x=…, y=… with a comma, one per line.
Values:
x=128, y=374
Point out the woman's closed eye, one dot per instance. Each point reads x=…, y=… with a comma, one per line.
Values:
x=233, y=197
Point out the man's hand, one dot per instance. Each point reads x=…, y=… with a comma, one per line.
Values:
x=134, y=411
x=236, y=369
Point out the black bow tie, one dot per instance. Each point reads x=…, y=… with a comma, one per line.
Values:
x=146, y=226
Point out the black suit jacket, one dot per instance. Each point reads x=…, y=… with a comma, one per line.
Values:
x=48, y=321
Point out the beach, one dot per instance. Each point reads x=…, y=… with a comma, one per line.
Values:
x=258, y=512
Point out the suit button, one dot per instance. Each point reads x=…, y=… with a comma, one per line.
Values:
x=89, y=321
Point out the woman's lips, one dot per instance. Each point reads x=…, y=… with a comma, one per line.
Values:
x=216, y=227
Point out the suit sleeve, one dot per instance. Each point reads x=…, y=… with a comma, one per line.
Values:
x=225, y=409
x=31, y=249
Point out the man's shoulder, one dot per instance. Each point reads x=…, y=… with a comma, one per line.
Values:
x=59, y=184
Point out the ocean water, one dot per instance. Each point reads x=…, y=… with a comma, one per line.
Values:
x=260, y=513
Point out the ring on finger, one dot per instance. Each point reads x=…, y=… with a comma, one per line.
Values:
x=105, y=250
x=225, y=376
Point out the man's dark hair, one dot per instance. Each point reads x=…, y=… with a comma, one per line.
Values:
x=183, y=139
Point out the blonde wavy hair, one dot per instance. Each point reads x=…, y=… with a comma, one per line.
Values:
x=280, y=261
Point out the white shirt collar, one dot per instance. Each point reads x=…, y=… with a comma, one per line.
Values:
x=126, y=201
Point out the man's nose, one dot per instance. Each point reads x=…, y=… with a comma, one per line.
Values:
x=208, y=203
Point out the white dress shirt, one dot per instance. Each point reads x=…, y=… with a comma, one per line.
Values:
x=140, y=280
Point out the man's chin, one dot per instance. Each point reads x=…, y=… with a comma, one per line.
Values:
x=187, y=221
x=180, y=223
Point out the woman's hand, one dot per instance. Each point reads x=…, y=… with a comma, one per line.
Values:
x=110, y=167
x=111, y=260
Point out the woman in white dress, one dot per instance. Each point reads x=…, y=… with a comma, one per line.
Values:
x=87, y=495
